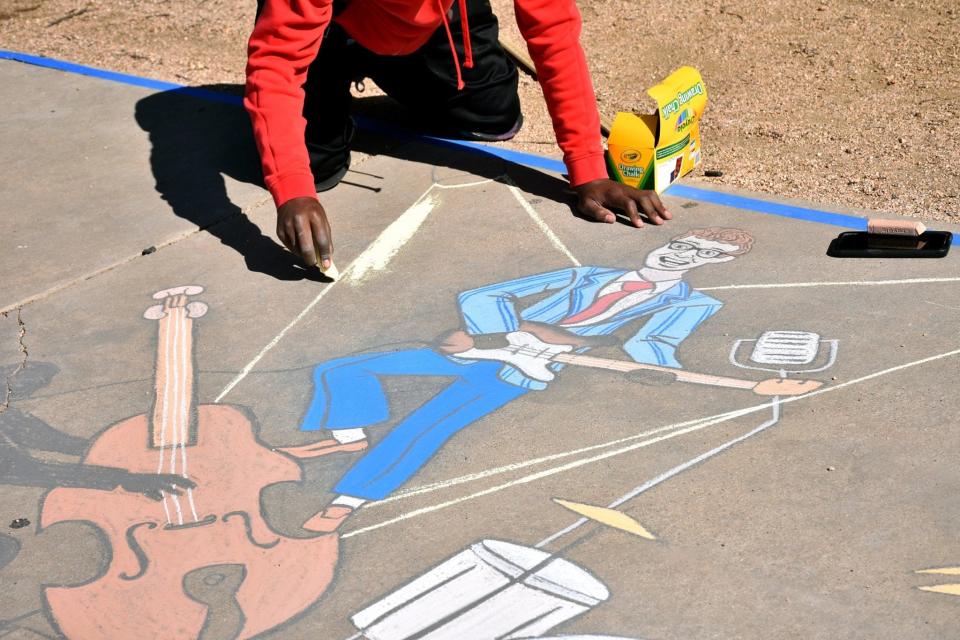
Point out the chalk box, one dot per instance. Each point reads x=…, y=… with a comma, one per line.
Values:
x=650, y=151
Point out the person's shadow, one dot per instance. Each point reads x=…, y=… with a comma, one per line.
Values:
x=201, y=134
x=196, y=141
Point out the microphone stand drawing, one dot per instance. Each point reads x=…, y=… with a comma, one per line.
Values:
x=497, y=590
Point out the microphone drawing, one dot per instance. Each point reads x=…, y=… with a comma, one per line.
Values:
x=788, y=349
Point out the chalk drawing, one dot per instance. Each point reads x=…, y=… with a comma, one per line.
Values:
x=503, y=352
x=205, y=527
x=493, y=589
x=496, y=589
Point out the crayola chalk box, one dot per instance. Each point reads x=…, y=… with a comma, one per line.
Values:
x=650, y=151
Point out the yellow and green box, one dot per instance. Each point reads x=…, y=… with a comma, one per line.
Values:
x=650, y=151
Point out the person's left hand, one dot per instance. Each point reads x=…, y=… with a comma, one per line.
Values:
x=594, y=200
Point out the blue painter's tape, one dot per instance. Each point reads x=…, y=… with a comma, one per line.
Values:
x=772, y=208
x=765, y=206
x=518, y=157
x=123, y=78
x=367, y=124
x=80, y=69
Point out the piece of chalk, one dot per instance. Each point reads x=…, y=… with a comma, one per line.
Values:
x=331, y=272
x=895, y=227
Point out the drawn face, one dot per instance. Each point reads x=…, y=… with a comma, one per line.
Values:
x=689, y=252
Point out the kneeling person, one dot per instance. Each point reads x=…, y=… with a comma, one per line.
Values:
x=439, y=58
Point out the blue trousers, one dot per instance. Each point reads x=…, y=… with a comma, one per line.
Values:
x=348, y=393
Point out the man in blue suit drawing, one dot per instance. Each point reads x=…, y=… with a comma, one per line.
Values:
x=584, y=305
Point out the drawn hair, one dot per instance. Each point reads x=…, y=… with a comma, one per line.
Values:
x=725, y=235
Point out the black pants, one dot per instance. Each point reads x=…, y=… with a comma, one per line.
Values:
x=425, y=82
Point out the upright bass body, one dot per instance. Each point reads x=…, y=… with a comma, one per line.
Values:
x=155, y=544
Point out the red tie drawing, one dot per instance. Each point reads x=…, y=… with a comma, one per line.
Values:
x=607, y=300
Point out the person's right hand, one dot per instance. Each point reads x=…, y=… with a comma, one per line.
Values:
x=303, y=228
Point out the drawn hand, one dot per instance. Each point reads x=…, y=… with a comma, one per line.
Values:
x=152, y=484
x=455, y=341
x=594, y=200
x=303, y=228
x=651, y=378
x=558, y=335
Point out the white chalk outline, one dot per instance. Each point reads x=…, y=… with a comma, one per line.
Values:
x=670, y=473
x=609, y=454
x=547, y=231
x=381, y=251
x=388, y=243
x=375, y=257
x=516, y=466
x=944, y=306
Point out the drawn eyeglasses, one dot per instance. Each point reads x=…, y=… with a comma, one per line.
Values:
x=704, y=253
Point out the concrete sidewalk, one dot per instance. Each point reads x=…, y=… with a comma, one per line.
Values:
x=736, y=514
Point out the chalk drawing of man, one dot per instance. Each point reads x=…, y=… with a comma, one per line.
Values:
x=583, y=305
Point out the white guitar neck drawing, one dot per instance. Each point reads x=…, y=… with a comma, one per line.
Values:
x=533, y=357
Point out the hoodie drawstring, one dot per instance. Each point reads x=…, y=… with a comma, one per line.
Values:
x=467, y=47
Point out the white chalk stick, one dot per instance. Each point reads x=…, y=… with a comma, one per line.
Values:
x=333, y=273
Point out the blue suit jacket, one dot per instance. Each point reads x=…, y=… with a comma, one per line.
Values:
x=669, y=317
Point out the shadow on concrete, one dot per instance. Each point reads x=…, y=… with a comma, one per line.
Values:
x=201, y=134
x=195, y=143
x=388, y=128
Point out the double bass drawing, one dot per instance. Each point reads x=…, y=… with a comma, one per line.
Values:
x=213, y=518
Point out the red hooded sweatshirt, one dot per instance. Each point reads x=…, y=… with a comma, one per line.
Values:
x=287, y=37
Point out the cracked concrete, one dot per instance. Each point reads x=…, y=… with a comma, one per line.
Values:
x=145, y=252
x=91, y=149
x=20, y=332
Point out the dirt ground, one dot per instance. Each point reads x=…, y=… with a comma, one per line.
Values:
x=849, y=103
